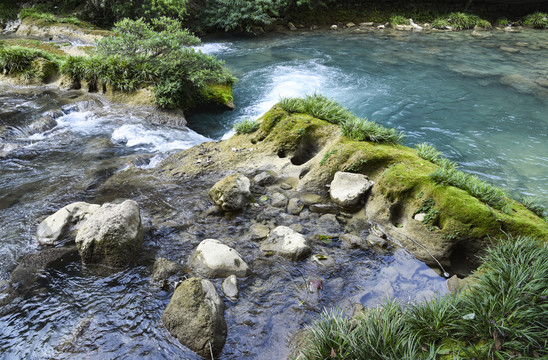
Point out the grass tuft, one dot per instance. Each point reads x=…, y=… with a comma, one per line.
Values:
x=537, y=20
x=399, y=20
x=460, y=21
x=355, y=128
x=535, y=206
x=502, y=315
x=430, y=153
x=246, y=126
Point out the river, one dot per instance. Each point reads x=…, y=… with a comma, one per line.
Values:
x=479, y=100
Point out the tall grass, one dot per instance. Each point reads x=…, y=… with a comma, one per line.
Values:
x=355, y=128
x=430, y=153
x=246, y=126
x=460, y=21
x=17, y=59
x=502, y=314
x=537, y=20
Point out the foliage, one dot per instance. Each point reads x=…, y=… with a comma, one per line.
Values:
x=39, y=13
x=537, y=20
x=156, y=53
x=8, y=11
x=487, y=193
x=17, y=59
x=500, y=316
x=460, y=21
x=399, y=20
x=535, y=206
x=246, y=126
x=430, y=153
x=355, y=128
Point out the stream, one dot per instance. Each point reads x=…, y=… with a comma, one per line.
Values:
x=481, y=100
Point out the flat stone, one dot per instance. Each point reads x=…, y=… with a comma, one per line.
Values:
x=278, y=200
x=376, y=241
x=213, y=259
x=368, y=23
x=287, y=243
x=323, y=260
x=542, y=81
x=309, y=199
x=354, y=241
x=295, y=206
x=163, y=269
x=286, y=186
x=258, y=232
x=350, y=24
x=323, y=209
x=334, y=27
x=265, y=178
x=230, y=287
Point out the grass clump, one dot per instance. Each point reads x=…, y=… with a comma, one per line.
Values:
x=355, y=128
x=440, y=23
x=535, y=206
x=430, y=153
x=39, y=13
x=18, y=60
x=537, y=20
x=246, y=126
x=501, y=315
x=398, y=20
x=460, y=21
x=481, y=190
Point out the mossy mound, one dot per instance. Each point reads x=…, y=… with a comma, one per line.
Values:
x=431, y=220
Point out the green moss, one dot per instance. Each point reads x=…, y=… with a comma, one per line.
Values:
x=219, y=95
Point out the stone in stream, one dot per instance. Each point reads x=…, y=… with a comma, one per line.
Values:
x=286, y=242
x=230, y=288
x=71, y=217
x=278, y=200
x=348, y=189
x=195, y=316
x=164, y=269
x=294, y=206
x=213, y=259
x=231, y=193
x=112, y=235
x=265, y=178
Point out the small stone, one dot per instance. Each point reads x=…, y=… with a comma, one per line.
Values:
x=230, y=288
x=315, y=285
x=164, y=269
x=213, y=259
x=324, y=209
x=376, y=241
x=231, y=193
x=294, y=206
x=329, y=224
x=542, y=81
x=258, y=232
x=323, y=260
x=419, y=217
x=350, y=24
x=291, y=27
x=278, y=200
x=334, y=27
x=354, y=241
x=368, y=23
x=455, y=284
x=521, y=44
x=380, y=27
x=265, y=178
x=286, y=186
x=309, y=199
x=287, y=243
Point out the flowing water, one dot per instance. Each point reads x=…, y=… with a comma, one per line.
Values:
x=483, y=105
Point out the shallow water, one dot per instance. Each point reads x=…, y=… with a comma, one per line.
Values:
x=440, y=88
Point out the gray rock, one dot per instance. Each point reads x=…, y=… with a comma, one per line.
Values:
x=294, y=206
x=510, y=50
x=231, y=193
x=287, y=243
x=286, y=186
x=324, y=209
x=265, y=178
x=213, y=259
x=112, y=235
x=291, y=27
x=310, y=199
x=323, y=260
x=376, y=241
x=542, y=81
x=195, y=316
x=258, y=232
x=328, y=223
x=230, y=287
x=170, y=117
x=348, y=189
x=278, y=200
x=164, y=269
x=368, y=23
x=456, y=284
x=42, y=124
x=354, y=241
x=71, y=217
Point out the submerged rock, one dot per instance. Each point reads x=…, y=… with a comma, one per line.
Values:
x=195, y=316
x=71, y=217
x=230, y=287
x=231, y=193
x=213, y=259
x=164, y=269
x=112, y=235
x=286, y=242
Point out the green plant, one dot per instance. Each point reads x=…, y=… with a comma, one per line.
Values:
x=535, y=206
x=398, y=20
x=246, y=126
x=537, y=20
x=326, y=156
x=487, y=193
x=430, y=153
x=17, y=59
x=430, y=213
x=460, y=21
x=363, y=129
x=440, y=23
x=503, y=21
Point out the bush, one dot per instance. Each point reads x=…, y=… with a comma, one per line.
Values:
x=502, y=315
x=17, y=59
x=460, y=21
x=398, y=20
x=537, y=20
x=246, y=126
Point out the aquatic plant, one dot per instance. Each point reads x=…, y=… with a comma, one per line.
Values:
x=246, y=126
x=500, y=315
x=537, y=20
x=398, y=20
x=355, y=128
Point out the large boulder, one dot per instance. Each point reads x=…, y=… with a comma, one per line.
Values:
x=348, y=189
x=195, y=316
x=231, y=193
x=53, y=228
x=112, y=235
x=213, y=259
x=286, y=242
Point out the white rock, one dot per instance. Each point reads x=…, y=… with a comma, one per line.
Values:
x=369, y=23
x=415, y=26
x=348, y=189
x=231, y=193
x=334, y=27
x=287, y=243
x=230, y=287
x=420, y=217
x=213, y=259
x=56, y=226
x=380, y=27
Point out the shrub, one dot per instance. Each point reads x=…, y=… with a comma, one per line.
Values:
x=246, y=126
x=460, y=21
x=398, y=20
x=440, y=23
x=17, y=59
x=500, y=316
x=355, y=128
x=537, y=20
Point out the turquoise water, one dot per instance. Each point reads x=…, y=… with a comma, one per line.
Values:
x=481, y=105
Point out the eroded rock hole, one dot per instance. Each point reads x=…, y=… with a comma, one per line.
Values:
x=281, y=153
x=306, y=150
x=464, y=259
x=397, y=215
